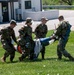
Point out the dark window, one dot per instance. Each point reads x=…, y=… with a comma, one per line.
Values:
x=27, y=4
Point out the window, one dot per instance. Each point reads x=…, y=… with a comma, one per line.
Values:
x=27, y=4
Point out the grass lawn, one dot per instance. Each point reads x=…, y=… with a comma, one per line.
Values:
x=49, y=66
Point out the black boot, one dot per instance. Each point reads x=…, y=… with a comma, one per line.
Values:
x=23, y=56
x=71, y=58
x=11, y=58
x=43, y=56
x=20, y=59
x=59, y=58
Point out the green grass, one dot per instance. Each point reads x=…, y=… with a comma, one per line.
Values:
x=49, y=66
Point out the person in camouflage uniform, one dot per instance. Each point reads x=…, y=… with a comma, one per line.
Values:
x=7, y=34
x=63, y=32
x=41, y=31
x=26, y=41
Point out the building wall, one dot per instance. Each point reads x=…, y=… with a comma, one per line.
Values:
x=23, y=7
x=1, y=18
x=9, y=11
x=51, y=14
x=16, y=6
x=36, y=5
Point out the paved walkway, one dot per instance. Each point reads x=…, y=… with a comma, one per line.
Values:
x=52, y=24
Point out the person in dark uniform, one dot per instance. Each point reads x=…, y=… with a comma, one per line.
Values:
x=7, y=34
x=26, y=41
x=63, y=32
x=41, y=31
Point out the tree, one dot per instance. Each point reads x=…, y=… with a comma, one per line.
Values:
x=69, y=2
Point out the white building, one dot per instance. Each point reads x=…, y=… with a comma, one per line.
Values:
x=21, y=9
x=13, y=9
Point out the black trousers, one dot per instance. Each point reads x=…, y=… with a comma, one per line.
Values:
x=43, y=52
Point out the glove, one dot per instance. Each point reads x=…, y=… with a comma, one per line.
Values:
x=54, y=37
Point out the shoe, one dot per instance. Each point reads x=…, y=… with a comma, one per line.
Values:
x=59, y=58
x=20, y=59
x=43, y=58
x=3, y=59
x=71, y=59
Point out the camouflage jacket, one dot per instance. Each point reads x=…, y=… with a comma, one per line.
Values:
x=7, y=34
x=26, y=40
x=63, y=30
x=41, y=31
x=25, y=31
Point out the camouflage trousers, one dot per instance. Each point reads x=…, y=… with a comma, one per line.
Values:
x=61, y=48
x=9, y=49
x=27, y=47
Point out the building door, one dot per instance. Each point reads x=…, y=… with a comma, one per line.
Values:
x=5, y=11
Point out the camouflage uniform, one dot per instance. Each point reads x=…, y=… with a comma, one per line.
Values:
x=40, y=32
x=63, y=32
x=7, y=34
x=26, y=41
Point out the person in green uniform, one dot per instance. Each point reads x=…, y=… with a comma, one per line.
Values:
x=26, y=41
x=63, y=32
x=41, y=31
x=7, y=34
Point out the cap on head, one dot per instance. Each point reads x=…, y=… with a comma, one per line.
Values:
x=28, y=20
x=13, y=22
x=43, y=18
x=61, y=17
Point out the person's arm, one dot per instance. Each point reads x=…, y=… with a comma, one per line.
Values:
x=13, y=37
x=23, y=31
x=0, y=32
x=3, y=31
x=58, y=31
x=36, y=30
x=46, y=30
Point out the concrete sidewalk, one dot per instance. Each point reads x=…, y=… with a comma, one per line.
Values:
x=52, y=24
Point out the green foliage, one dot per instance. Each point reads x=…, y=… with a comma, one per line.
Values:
x=49, y=66
x=57, y=2
x=50, y=2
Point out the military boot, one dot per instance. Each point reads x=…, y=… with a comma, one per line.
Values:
x=20, y=59
x=59, y=58
x=11, y=59
x=71, y=58
x=3, y=59
x=43, y=56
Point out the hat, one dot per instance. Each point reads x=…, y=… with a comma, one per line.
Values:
x=28, y=20
x=61, y=17
x=13, y=22
x=43, y=18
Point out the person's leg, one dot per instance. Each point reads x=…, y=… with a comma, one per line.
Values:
x=6, y=54
x=59, y=53
x=43, y=52
x=45, y=41
x=11, y=52
x=12, y=55
x=25, y=53
x=62, y=49
x=23, y=56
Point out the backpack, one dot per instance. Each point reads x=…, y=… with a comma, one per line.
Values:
x=67, y=31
